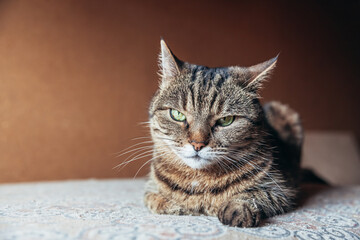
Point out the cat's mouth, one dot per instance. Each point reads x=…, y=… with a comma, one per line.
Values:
x=196, y=162
x=194, y=159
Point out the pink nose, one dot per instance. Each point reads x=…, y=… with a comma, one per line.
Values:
x=197, y=145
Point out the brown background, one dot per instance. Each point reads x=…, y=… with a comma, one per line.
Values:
x=76, y=77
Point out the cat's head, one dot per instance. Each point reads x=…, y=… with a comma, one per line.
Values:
x=206, y=115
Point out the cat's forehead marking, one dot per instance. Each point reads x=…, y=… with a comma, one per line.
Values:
x=204, y=96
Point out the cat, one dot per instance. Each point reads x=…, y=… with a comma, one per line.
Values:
x=217, y=150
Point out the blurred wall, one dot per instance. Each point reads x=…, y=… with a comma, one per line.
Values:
x=76, y=77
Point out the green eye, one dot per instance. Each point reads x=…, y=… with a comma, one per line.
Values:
x=177, y=116
x=225, y=121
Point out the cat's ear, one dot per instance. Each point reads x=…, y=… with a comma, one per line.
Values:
x=259, y=73
x=252, y=78
x=170, y=65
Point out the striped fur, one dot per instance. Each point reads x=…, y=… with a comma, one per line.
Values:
x=247, y=171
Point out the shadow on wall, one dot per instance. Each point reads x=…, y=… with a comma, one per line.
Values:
x=77, y=76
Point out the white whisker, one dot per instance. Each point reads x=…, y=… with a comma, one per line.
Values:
x=153, y=158
x=139, y=156
x=132, y=150
x=145, y=142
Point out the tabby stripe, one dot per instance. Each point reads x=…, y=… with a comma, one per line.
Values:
x=171, y=184
x=245, y=176
x=269, y=197
x=209, y=82
x=192, y=95
x=250, y=174
x=193, y=74
x=205, y=78
x=220, y=81
x=158, y=130
x=198, y=92
x=216, y=190
x=220, y=105
x=213, y=100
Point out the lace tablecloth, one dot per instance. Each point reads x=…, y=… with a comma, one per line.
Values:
x=113, y=209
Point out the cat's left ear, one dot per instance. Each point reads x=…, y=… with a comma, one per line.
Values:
x=253, y=77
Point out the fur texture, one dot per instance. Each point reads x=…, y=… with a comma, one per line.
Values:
x=242, y=172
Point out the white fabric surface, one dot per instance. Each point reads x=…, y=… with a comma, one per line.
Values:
x=113, y=209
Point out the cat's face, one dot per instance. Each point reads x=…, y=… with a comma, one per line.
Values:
x=205, y=115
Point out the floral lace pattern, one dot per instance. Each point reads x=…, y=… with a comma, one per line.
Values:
x=113, y=209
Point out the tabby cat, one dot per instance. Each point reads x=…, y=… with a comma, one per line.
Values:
x=217, y=150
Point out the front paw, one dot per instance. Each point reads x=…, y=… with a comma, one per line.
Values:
x=158, y=204
x=239, y=214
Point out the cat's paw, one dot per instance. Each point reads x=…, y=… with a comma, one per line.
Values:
x=158, y=204
x=239, y=214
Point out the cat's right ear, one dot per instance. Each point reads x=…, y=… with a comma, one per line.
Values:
x=252, y=78
x=169, y=64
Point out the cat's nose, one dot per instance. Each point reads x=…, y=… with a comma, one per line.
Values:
x=197, y=145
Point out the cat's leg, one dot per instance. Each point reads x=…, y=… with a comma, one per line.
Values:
x=239, y=213
x=159, y=204
x=247, y=208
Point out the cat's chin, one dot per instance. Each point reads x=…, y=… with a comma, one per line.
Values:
x=196, y=162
